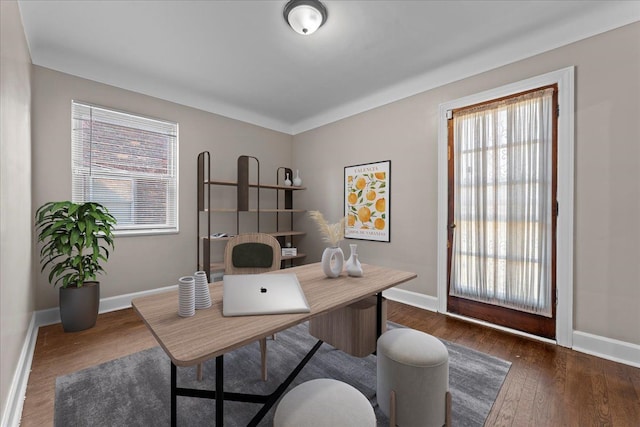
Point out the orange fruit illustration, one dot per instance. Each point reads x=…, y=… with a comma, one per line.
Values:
x=371, y=195
x=381, y=205
x=350, y=179
x=380, y=175
x=361, y=183
x=351, y=221
x=379, y=224
x=353, y=198
x=364, y=214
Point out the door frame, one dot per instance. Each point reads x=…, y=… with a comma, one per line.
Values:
x=564, y=78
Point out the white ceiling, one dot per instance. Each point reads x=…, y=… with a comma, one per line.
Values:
x=239, y=58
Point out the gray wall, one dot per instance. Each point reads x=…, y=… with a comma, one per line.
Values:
x=16, y=289
x=143, y=262
x=35, y=148
x=607, y=175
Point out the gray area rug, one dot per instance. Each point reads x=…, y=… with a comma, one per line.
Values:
x=135, y=390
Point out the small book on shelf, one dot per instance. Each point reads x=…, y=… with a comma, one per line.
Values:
x=220, y=235
x=289, y=251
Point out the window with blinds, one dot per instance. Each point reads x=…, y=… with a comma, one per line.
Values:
x=129, y=164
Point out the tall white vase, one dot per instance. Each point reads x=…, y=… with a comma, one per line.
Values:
x=332, y=261
x=203, y=298
x=186, y=296
x=353, y=266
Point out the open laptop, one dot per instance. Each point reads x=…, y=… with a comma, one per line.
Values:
x=252, y=294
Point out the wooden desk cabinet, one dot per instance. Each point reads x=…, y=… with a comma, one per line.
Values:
x=351, y=329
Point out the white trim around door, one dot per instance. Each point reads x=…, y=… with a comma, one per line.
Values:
x=564, y=270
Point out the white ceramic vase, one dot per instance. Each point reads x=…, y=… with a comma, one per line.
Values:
x=203, y=298
x=353, y=266
x=332, y=261
x=287, y=181
x=297, y=181
x=186, y=296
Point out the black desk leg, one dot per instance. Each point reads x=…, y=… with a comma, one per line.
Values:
x=379, y=314
x=219, y=390
x=173, y=395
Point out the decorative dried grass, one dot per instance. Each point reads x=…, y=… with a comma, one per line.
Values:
x=331, y=233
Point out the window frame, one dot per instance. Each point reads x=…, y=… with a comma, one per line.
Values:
x=136, y=229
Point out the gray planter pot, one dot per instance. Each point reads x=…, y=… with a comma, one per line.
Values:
x=79, y=307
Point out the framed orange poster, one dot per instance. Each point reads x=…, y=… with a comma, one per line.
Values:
x=367, y=190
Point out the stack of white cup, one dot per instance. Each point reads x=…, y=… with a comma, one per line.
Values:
x=186, y=296
x=203, y=298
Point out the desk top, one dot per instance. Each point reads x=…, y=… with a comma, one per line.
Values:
x=207, y=334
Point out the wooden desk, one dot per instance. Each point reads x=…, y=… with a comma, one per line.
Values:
x=208, y=334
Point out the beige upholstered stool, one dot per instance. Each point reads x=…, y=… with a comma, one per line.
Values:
x=324, y=402
x=413, y=379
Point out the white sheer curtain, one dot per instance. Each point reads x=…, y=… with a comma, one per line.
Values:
x=503, y=208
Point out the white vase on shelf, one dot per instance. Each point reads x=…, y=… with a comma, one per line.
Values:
x=353, y=266
x=287, y=181
x=332, y=261
x=297, y=181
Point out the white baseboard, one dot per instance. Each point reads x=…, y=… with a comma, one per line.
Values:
x=15, y=400
x=415, y=299
x=606, y=348
x=52, y=315
x=13, y=409
x=595, y=345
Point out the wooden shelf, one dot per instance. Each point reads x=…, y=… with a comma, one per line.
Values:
x=218, y=267
x=216, y=238
x=269, y=186
x=287, y=233
x=283, y=208
x=234, y=210
x=273, y=233
x=299, y=256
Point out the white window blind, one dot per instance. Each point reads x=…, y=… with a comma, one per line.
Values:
x=129, y=164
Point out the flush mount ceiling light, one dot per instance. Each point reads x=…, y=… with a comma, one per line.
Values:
x=305, y=16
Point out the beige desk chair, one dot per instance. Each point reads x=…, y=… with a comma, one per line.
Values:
x=252, y=253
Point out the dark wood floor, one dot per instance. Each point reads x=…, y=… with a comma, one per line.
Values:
x=547, y=385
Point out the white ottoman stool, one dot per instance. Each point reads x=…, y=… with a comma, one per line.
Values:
x=413, y=378
x=324, y=402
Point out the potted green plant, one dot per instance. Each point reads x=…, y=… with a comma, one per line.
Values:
x=76, y=238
